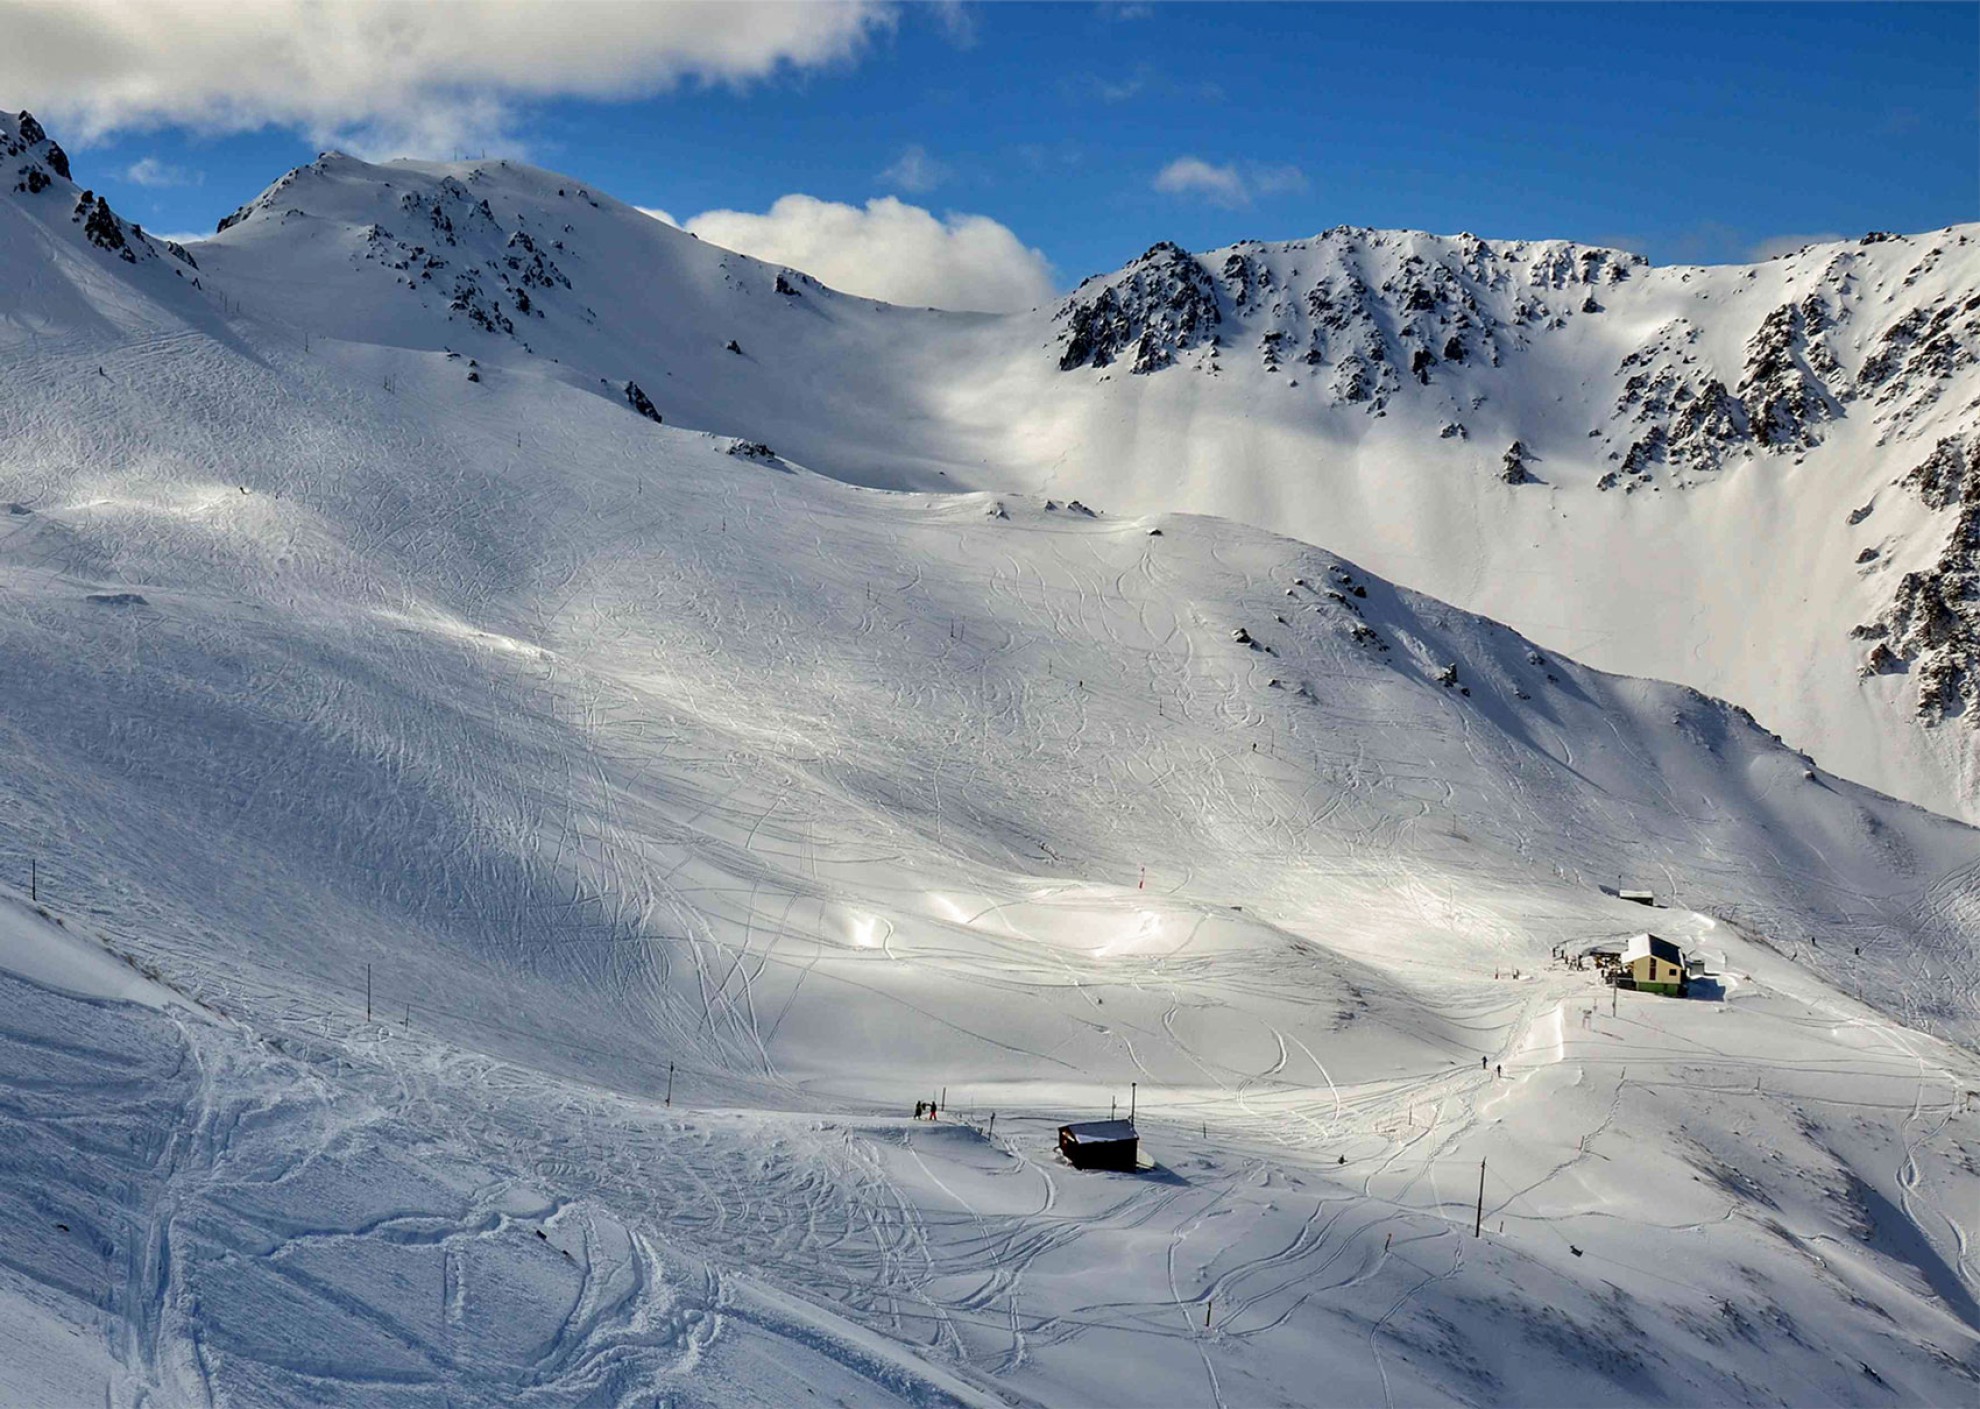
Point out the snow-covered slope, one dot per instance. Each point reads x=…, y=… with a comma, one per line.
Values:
x=557, y=850
x=1734, y=468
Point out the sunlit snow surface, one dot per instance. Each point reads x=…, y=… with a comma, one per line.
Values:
x=608, y=752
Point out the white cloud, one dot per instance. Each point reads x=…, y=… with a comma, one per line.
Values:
x=658, y=214
x=890, y=250
x=1227, y=185
x=150, y=171
x=916, y=171
x=387, y=77
x=1194, y=176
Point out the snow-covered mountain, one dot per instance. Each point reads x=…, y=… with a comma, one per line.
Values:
x=505, y=868
x=1698, y=474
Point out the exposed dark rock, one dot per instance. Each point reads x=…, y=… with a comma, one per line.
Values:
x=1163, y=303
x=1948, y=474
x=1932, y=625
x=642, y=403
x=1783, y=391
x=102, y=228
x=1513, y=469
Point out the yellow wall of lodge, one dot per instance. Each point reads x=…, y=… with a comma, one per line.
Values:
x=1651, y=969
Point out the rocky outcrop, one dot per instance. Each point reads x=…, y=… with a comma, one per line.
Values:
x=1791, y=381
x=33, y=165
x=1512, y=470
x=1162, y=304
x=1931, y=628
x=642, y=403
x=1915, y=358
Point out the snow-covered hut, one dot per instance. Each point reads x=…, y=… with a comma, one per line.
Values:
x=1637, y=897
x=1651, y=964
x=1100, y=1144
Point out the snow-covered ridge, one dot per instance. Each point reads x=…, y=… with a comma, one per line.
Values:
x=1378, y=309
x=1692, y=473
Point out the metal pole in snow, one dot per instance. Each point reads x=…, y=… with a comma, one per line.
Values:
x=1131, y=1091
x=34, y=879
x=670, y=1083
x=1478, y=1225
x=367, y=993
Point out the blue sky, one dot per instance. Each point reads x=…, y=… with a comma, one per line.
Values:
x=1691, y=132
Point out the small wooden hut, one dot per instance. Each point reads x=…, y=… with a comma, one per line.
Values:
x=1100, y=1144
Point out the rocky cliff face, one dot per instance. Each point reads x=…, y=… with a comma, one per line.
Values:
x=1931, y=627
x=1367, y=311
x=1368, y=315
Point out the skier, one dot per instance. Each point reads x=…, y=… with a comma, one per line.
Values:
x=1498, y=1073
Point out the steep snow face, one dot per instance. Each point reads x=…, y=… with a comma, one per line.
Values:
x=555, y=850
x=1710, y=471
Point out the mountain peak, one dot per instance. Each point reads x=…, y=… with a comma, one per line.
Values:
x=33, y=167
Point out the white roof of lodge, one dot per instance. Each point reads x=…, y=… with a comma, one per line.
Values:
x=1644, y=945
